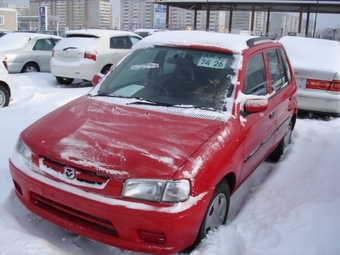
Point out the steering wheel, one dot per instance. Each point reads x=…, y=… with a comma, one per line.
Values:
x=157, y=84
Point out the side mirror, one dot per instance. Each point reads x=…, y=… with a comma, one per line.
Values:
x=97, y=78
x=256, y=105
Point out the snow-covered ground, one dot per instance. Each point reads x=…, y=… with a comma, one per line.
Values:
x=291, y=207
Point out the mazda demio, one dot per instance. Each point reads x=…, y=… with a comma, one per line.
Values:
x=148, y=159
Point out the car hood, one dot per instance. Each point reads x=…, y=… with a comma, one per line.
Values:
x=101, y=136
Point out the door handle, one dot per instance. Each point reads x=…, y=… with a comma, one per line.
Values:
x=271, y=115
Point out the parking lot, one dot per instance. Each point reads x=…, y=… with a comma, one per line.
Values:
x=289, y=207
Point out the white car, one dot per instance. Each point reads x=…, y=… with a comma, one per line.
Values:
x=317, y=70
x=27, y=52
x=5, y=85
x=84, y=53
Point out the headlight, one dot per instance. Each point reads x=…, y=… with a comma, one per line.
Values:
x=157, y=190
x=24, y=151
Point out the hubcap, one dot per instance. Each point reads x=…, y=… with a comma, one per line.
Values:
x=216, y=213
x=2, y=99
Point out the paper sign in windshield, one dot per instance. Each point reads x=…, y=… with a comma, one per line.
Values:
x=213, y=61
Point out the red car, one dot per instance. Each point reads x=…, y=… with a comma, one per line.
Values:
x=148, y=159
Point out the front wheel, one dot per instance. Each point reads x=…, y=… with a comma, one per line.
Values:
x=217, y=212
x=282, y=146
x=66, y=81
x=4, y=97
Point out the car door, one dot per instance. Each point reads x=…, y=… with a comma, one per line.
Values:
x=121, y=45
x=257, y=128
x=42, y=53
x=283, y=88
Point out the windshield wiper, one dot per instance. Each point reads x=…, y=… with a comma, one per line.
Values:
x=101, y=94
x=149, y=102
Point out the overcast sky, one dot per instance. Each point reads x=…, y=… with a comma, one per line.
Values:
x=323, y=20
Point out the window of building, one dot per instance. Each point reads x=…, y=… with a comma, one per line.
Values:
x=2, y=20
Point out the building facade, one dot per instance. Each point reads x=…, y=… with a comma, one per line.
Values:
x=75, y=14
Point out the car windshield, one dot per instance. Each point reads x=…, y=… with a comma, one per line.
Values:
x=173, y=76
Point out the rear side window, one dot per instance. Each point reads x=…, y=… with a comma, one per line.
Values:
x=255, y=80
x=121, y=42
x=279, y=76
x=44, y=44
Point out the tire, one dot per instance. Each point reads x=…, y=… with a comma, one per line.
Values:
x=282, y=146
x=66, y=81
x=30, y=67
x=105, y=69
x=4, y=96
x=217, y=212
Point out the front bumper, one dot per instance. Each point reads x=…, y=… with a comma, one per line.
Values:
x=130, y=225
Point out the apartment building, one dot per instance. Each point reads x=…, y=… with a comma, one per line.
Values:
x=75, y=14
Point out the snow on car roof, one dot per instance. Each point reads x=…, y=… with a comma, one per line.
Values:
x=312, y=53
x=16, y=40
x=98, y=32
x=233, y=42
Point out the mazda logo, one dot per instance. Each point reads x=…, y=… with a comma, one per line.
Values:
x=69, y=172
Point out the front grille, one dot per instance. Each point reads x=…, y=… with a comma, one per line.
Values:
x=79, y=218
x=81, y=175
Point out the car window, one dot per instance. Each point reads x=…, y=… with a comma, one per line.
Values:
x=255, y=82
x=134, y=40
x=120, y=42
x=286, y=65
x=277, y=72
x=174, y=76
x=44, y=44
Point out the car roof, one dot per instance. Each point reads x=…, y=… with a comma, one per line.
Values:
x=231, y=42
x=32, y=35
x=99, y=32
x=312, y=53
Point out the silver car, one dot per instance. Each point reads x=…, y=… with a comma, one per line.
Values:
x=317, y=70
x=27, y=52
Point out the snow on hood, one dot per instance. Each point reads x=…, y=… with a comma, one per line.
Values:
x=118, y=139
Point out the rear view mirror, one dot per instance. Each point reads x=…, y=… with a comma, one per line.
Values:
x=256, y=105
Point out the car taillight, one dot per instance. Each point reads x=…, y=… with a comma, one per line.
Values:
x=324, y=85
x=318, y=84
x=5, y=64
x=91, y=55
x=52, y=53
x=335, y=86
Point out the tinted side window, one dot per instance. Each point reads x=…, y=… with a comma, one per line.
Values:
x=286, y=65
x=44, y=44
x=255, y=82
x=276, y=69
x=121, y=42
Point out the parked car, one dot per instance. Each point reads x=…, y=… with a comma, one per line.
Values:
x=52, y=32
x=27, y=52
x=147, y=160
x=317, y=70
x=4, y=32
x=5, y=85
x=83, y=53
x=144, y=32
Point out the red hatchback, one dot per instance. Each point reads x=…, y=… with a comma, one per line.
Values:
x=148, y=159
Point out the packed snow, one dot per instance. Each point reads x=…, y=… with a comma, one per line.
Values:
x=290, y=207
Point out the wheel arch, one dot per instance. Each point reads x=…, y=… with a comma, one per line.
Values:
x=6, y=86
x=105, y=68
x=31, y=62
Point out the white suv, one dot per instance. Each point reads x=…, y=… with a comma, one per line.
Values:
x=83, y=53
x=5, y=85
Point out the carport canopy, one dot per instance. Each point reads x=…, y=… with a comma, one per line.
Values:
x=293, y=6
